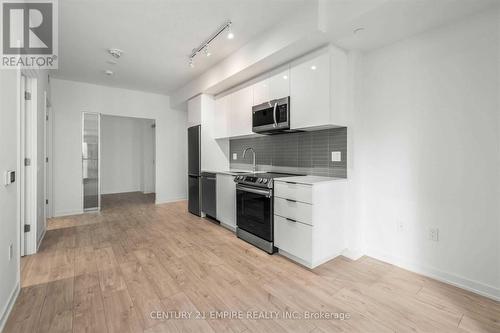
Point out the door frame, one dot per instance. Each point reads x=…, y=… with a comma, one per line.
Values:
x=28, y=174
x=49, y=155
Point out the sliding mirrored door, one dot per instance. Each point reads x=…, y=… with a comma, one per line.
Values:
x=90, y=161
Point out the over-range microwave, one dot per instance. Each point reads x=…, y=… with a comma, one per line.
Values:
x=271, y=117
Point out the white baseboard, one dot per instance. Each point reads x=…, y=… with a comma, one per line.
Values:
x=41, y=239
x=9, y=306
x=449, y=278
x=131, y=190
x=228, y=226
x=67, y=213
x=352, y=254
x=306, y=263
x=164, y=201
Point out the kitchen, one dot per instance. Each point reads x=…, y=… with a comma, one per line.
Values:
x=254, y=166
x=266, y=167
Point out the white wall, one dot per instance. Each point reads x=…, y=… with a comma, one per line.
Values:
x=8, y=195
x=427, y=153
x=126, y=154
x=71, y=98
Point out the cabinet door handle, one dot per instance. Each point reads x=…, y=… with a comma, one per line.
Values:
x=292, y=183
x=291, y=220
x=291, y=200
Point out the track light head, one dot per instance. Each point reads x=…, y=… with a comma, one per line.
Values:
x=230, y=34
x=206, y=51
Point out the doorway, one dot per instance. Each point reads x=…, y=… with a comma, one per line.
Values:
x=128, y=159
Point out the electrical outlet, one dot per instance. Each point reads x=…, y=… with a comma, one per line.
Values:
x=434, y=234
x=336, y=156
x=11, y=252
x=235, y=156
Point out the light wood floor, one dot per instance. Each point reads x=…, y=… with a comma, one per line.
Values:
x=106, y=272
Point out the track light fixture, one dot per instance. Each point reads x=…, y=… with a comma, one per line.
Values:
x=204, y=47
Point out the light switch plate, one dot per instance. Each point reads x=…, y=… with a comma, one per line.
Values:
x=235, y=156
x=336, y=156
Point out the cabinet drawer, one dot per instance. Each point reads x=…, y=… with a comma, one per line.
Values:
x=294, y=191
x=296, y=210
x=293, y=237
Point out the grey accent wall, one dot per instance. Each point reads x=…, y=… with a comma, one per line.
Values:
x=302, y=152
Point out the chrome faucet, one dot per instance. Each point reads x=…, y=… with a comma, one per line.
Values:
x=253, y=151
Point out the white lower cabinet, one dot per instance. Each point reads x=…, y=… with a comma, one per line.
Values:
x=226, y=201
x=294, y=210
x=293, y=237
x=309, y=218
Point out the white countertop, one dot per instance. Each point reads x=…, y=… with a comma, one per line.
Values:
x=310, y=180
x=234, y=172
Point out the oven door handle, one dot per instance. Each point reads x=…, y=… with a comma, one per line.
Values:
x=267, y=194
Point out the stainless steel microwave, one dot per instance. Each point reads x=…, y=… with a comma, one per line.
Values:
x=271, y=117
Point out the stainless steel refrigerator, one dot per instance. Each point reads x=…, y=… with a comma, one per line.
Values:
x=194, y=170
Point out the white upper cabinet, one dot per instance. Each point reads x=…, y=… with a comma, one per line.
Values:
x=221, y=123
x=317, y=90
x=279, y=85
x=260, y=92
x=240, y=112
x=310, y=92
x=274, y=87
x=194, y=112
x=316, y=84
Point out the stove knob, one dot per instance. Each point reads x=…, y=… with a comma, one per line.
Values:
x=264, y=181
x=259, y=180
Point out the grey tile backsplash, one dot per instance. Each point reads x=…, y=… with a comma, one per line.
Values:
x=301, y=152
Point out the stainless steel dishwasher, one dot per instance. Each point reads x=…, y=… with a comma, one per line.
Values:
x=209, y=194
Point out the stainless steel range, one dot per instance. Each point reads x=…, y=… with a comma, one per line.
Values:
x=254, y=209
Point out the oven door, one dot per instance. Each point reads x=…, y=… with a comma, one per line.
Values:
x=254, y=211
x=271, y=116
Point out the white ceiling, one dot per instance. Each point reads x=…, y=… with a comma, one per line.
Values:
x=157, y=37
x=387, y=21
